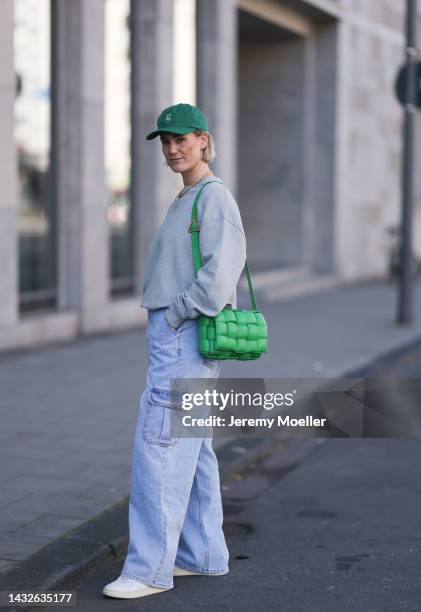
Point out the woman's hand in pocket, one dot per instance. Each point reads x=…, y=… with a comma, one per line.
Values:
x=169, y=324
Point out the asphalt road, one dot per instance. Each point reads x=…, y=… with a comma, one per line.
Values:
x=341, y=532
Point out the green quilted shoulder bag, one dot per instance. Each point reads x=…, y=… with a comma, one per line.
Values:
x=232, y=333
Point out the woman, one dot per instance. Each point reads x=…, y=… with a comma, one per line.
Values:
x=175, y=509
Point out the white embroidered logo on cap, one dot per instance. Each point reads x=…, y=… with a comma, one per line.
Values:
x=168, y=117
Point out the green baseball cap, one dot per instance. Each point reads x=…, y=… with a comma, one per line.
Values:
x=180, y=119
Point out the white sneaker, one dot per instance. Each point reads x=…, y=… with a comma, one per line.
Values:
x=128, y=588
x=180, y=571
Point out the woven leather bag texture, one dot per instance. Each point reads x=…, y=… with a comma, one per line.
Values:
x=233, y=333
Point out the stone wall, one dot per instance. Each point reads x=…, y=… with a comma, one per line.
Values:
x=270, y=150
x=371, y=136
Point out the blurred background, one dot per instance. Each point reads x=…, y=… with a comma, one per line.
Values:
x=301, y=99
x=299, y=95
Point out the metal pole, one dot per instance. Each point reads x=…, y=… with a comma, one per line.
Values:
x=406, y=293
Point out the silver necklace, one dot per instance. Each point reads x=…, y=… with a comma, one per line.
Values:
x=186, y=189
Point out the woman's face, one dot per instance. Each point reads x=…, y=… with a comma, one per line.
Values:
x=183, y=151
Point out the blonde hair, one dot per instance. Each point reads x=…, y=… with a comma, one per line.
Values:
x=209, y=152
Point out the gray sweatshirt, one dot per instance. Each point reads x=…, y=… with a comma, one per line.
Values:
x=170, y=279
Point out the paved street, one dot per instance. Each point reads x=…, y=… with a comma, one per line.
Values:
x=69, y=412
x=342, y=532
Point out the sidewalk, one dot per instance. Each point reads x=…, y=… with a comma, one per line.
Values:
x=69, y=412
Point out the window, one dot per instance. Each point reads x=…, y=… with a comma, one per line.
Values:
x=184, y=62
x=117, y=143
x=36, y=216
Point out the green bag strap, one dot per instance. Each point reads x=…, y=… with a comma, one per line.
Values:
x=194, y=229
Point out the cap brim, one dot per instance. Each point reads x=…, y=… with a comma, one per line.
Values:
x=178, y=130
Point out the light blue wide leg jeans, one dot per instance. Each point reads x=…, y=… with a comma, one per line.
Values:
x=175, y=508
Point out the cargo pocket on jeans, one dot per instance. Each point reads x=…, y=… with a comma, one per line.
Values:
x=157, y=423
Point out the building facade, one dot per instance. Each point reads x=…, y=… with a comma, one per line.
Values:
x=299, y=97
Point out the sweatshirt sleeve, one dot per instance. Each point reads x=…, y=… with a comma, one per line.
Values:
x=223, y=251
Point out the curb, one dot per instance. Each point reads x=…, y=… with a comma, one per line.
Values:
x=63, y=563
x=105, y=536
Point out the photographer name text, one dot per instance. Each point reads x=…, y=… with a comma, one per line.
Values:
x=281, y=421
